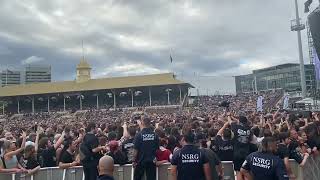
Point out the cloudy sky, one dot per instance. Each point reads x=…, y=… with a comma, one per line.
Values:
x=219, y=38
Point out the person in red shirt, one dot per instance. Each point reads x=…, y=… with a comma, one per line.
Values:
x=163, y=154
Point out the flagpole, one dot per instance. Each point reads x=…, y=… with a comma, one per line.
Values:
x=82, y=51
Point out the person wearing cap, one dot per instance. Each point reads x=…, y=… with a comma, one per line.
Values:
x=241, y=141
x=146, y=144
x=264, y=164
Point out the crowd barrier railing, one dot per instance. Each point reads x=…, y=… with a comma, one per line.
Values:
x=310, y=171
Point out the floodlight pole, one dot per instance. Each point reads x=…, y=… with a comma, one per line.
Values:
x=298, y=28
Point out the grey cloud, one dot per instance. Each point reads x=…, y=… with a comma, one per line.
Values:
x=206, y=37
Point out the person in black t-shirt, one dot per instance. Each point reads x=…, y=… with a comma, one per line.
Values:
x=146, y=144
x=30, y=159
x=313, y=136
x=294, y=153
x=173, y=139
x=30, y=156
x=67, y=158
x=214, y=161
x=190, y=162
x=128, y=146
x=90, y=151
x=212, y=142
x=115, y=152
x=224, y=143
x=283, y=151
x=264, y=165
x=47, y=151
x=241, y=141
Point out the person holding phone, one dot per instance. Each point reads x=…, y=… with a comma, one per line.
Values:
x=9, y=159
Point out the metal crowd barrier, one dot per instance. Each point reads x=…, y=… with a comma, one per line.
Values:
x=310, y=171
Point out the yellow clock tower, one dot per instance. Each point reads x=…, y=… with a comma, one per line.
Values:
x=83, y=71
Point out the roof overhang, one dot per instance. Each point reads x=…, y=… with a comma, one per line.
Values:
x=92, y=84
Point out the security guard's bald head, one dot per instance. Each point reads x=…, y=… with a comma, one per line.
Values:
x=106, y=165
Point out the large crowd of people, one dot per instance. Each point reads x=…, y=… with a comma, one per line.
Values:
x=193, y=139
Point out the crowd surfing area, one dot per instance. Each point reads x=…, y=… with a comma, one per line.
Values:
x=193, y=139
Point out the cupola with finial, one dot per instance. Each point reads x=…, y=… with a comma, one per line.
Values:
x=83, y=71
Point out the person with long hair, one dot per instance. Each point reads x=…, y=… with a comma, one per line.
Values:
x=9, y=158
x=30, y=156
x=68, y=156
x=47, y=151
x=163, y=154
x=31, y=161
x=303, y=142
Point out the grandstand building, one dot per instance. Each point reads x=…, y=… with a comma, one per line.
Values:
x=87, y=93
x=284, y=76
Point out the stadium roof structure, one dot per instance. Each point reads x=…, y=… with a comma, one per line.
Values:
x=91, y=85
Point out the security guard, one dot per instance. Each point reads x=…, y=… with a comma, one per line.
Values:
x=146, y=144
x=264, y=164
x=190, y=162
x=241, y=141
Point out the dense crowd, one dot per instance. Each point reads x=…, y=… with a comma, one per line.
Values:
x=221, y=128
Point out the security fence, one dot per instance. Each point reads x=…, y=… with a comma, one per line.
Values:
x=310, y=171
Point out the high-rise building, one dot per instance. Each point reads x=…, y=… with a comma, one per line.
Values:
x=37, y=74
x=31, y=74
x=9, y=78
